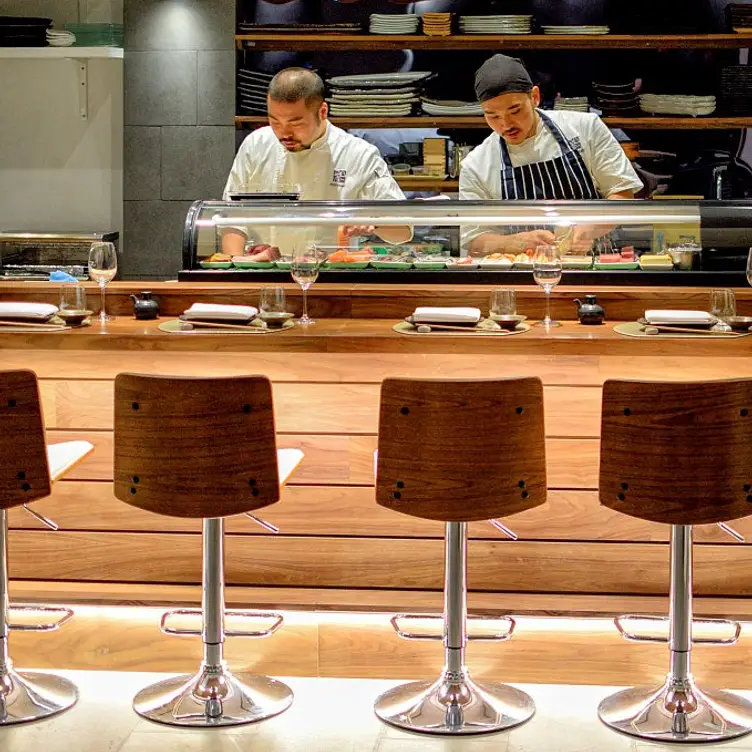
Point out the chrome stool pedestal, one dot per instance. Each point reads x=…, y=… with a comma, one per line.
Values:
x=214, y=696
x=454, y=704
x=27, y=695
x=678, y=711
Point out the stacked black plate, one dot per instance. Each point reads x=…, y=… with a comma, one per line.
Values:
x=616, y=99
x=300, y=28
x=739, y=16
x=252, y=88
x=736, y=90
x=19, y=31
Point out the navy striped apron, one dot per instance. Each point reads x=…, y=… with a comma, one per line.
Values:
x=564, y=177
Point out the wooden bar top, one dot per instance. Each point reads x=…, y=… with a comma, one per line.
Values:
x=373, y=335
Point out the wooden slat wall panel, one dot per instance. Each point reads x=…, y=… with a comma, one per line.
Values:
x=348, y=460
x=637, y=568
x=310, y=408
x=352, y=511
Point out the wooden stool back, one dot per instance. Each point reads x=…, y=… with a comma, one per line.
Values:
x=677, y=453
x=189, y=447
x=461, y=450
x=24, y=473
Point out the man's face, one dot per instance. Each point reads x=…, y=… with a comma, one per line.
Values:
x=513, y=115
x=295, y=124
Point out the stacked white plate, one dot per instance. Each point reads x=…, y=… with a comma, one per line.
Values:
x=573, y=104
x=677, y=104
x=57, y=38
x=394, y=23
x=510, y=24
x=379, y=80
x=450, y=107
x=576, y=30
x=375, y=95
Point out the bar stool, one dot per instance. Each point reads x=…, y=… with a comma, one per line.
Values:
x=680, y=454
x=203, y=448
x=28, y=468
x=458, y=451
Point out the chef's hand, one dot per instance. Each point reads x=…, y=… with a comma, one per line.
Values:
x=584, y=235
x=398, y=234
x=533, y=239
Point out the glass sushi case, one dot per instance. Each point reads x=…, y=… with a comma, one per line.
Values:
x=466, y=242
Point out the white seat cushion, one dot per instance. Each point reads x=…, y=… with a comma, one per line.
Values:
x=63, y=457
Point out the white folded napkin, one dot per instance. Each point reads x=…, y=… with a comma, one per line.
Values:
x=12, y=310
x=437, y=315
x=217, y=311
x=679, y=317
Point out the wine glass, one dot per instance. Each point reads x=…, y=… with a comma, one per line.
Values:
x=547, y=273
x=102, y=269
x=306, y=261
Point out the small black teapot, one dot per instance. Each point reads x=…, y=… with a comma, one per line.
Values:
x=144, y=307
x=590, y=312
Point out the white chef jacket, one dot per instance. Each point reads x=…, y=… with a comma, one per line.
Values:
x=337, y=166
x=480, y=174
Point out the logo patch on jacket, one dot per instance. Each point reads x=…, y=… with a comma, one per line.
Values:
x=575, y=143
x=339, y=177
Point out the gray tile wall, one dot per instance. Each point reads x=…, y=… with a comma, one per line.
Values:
x=179, y=132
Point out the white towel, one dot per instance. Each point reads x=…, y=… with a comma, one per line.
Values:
x=12, y=310
x=436, y=315
x=679, y=317
x=216, y=311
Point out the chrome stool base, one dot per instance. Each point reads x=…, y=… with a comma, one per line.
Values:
x=213, y=697
x=454, y=708
x=677, y=712
x=29, y=696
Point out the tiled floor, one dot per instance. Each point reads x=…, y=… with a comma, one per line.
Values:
x=329, y=715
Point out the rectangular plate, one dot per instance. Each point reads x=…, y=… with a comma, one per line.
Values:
x=617, y=267
x=252, y=264
x=391, y=264
x=216, y=264
x=657, y=267
x=345, y=265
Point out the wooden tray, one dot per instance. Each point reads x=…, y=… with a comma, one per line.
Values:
x=486, y=328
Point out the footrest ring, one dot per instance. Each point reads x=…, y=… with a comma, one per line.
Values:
x=278, y=620
x=636, y=637
x=492, y=637
x=66, y=614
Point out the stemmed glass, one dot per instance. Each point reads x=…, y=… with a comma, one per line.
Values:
x=749, y=267
x=547, y=273
x=102, y=269
x=306, y=261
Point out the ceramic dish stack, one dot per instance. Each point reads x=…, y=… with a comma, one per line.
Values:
x=507, y=24
x=394, y=23
x=376, y=95
x=252, y=87
x=736, y=90
x=21, y=31
x=450, y=107
x=572, y=104
x=677, y=104
x=740, y=17
x=437, y=24
x=60, y=38
x=97, y=34
x=576, y=30
x=616, y=99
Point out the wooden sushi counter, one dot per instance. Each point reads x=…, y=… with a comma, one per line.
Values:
x=337, y=549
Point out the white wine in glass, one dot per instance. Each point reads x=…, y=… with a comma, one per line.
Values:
x=305, y=271
x=547, y=274
x=102, y=269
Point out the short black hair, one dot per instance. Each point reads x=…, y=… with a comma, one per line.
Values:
x=293, y=84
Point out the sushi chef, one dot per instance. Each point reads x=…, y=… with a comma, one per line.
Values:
x=533, y=154
x=301, y=151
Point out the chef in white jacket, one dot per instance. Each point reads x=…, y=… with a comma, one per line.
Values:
x=534, y=154
x=300, y=150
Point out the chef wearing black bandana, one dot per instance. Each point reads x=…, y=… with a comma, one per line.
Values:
x=538, y=155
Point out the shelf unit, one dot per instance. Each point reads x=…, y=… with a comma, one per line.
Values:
x=428, y=121
x=57, y=53
x=322, y=42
